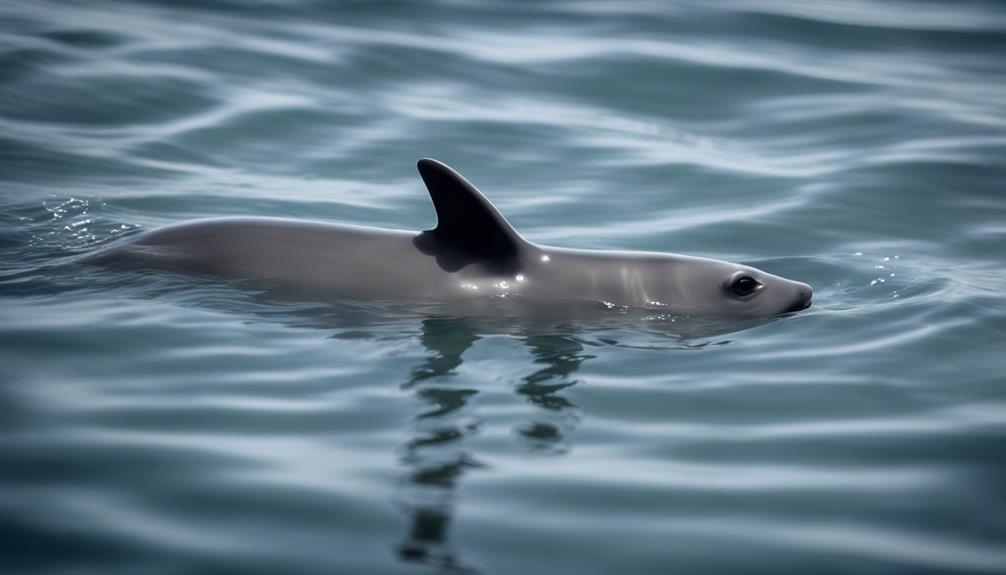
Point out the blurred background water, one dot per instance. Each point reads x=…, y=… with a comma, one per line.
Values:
x=157, y=424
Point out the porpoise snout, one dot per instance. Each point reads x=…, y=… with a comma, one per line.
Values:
x=804, y=295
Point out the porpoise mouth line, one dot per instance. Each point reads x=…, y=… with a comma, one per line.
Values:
x=799, y=306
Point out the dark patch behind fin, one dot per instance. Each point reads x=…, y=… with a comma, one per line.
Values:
x=469, y=228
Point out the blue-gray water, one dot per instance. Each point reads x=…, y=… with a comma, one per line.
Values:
x=160, y=424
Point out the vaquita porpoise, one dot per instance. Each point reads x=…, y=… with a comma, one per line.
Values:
x=473, y=252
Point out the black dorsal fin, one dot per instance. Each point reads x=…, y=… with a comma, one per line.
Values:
x=469, y=228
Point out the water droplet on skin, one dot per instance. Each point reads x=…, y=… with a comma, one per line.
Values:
x=546, y=258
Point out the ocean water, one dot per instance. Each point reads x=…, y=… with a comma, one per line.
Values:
x=152, y=423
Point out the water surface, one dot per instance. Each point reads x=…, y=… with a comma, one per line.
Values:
x=163, y=424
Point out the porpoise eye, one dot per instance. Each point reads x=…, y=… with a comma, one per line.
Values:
x=744, y=285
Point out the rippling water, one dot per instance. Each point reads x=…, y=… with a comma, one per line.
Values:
x=160, y=424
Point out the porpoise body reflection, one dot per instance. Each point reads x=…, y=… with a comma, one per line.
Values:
x=472, y=253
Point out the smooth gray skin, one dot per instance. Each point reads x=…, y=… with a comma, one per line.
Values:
x=478, y=255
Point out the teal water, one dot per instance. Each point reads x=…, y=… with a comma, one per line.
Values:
x=161, y=424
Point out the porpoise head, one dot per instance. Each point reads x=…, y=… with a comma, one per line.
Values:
x=724, y=288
